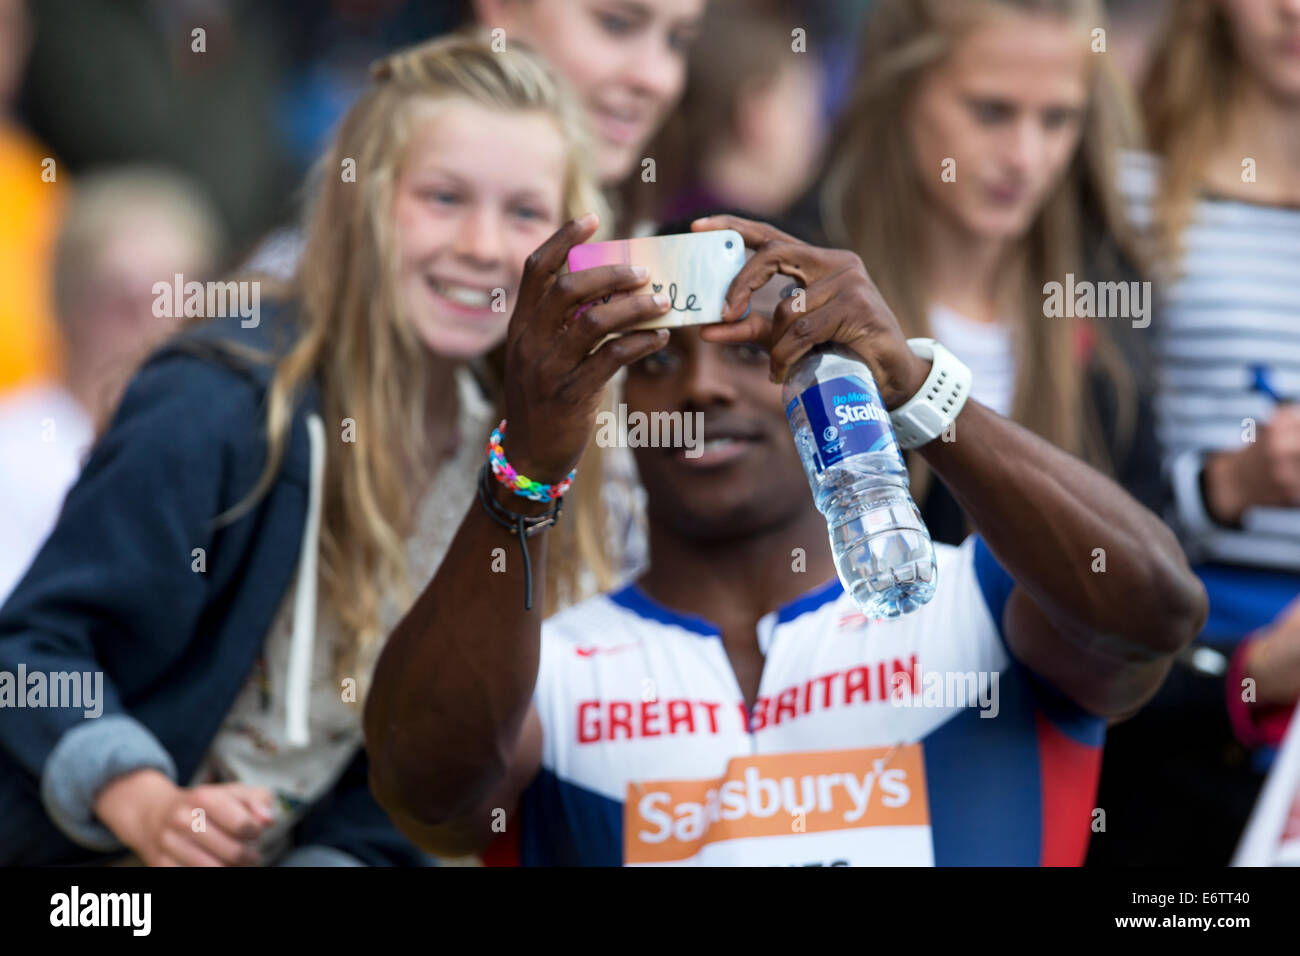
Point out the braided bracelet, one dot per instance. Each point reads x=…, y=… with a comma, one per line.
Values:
x=522, y=526
x=521, y=485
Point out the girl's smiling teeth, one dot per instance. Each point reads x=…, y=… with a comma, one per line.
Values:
x=473, y=297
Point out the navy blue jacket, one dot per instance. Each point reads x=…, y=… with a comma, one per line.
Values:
x=113, y=590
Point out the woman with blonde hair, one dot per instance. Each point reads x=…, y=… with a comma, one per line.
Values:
x=1220, y=198
x=973, y=166
x=275, y=486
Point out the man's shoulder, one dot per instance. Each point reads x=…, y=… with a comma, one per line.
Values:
x=945, y=553
x=968, y=579
x=597, y=618
x=985, y=580
x=969, y=574
x=970, y=594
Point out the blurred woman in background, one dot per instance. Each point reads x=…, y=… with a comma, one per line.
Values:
x=973, y=165
x=272, y=493
x=1221, y=198
x=751, y=125
x=625, y=60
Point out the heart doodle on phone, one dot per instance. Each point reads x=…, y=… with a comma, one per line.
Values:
x=692, y=271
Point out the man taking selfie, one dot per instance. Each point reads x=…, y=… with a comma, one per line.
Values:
x=733, y=706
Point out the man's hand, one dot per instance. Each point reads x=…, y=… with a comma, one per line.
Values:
x=554, y=381
x=448, y=726
x=840, y=304
x=1264, y=473
x=157, y=819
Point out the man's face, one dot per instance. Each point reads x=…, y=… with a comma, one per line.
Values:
x=749, y=478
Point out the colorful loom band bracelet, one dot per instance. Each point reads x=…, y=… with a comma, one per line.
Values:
x=521, y=485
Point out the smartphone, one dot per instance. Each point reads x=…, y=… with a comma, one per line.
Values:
x=693, y=269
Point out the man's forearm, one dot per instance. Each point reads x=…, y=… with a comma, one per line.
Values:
x=1092, y=558
x=453, y=684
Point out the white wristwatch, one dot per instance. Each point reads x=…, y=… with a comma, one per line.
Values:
x=924, y=416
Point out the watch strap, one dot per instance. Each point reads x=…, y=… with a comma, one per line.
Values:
x=925, y=416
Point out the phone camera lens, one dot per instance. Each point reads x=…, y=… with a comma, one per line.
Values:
x=730, y=243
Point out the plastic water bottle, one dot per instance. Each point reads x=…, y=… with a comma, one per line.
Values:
x=882, y=547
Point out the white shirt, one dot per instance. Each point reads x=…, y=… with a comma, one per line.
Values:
x=44, y=437
x=988, y=350
x=917, y=740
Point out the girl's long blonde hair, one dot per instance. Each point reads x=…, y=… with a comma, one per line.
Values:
x=355, y=343
x=1187, y=98
x=871, y=194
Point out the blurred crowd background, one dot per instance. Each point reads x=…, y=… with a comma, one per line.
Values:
x=88, y=86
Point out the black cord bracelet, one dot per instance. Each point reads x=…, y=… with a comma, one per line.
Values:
x=522, y=526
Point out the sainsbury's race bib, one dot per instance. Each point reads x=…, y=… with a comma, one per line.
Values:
x=831, y=808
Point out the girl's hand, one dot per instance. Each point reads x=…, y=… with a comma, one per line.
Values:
x=553, y=380
x=157, y=820
x=1273, y=659
x=840, y=304
x=1266, y=472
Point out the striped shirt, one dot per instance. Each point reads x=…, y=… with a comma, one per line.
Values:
x=1231, y=309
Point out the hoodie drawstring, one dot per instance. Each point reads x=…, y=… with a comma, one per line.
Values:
x=297, y=702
